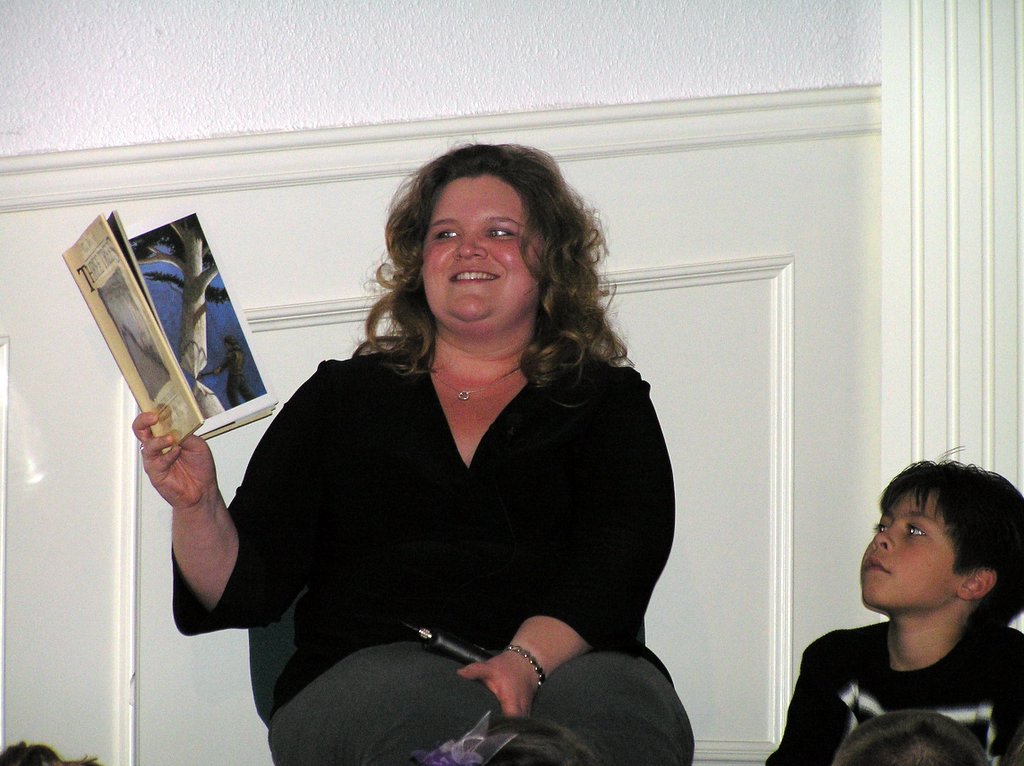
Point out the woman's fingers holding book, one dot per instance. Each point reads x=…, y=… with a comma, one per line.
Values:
x=152, y=446
x=142, y=426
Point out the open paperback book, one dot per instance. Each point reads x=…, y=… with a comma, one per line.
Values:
x=163, y=309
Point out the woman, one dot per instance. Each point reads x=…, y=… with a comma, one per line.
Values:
x=485, y=464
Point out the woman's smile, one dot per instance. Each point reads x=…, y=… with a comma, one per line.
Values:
x=476, y=280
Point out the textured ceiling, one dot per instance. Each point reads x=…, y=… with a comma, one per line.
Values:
x=97, y=73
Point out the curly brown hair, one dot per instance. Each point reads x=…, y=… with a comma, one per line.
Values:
x=572, y=326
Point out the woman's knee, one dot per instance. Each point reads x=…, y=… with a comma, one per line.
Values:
x=377, y=704
x=623, y=704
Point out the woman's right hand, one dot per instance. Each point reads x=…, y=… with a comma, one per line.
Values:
x=204, y=537
x=184, y=474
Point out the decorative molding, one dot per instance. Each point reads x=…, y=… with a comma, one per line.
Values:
x=1018, y=67
x=310, y=314
x=354, y=310
x=707, y=273
x=126, y=702
x=954, y=228
x=731, y=752
x=778, y=270
x=917, y=230
x=277, y=160
x=4, y=409
x=782, y=453
x=987, y=225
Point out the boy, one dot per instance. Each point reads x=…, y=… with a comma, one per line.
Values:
x=946, y=565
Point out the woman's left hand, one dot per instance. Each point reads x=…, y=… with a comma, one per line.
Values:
x=510, y=678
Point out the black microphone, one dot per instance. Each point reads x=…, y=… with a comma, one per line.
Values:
x=448, y=645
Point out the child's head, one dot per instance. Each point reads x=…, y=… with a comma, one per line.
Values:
x=512, y=741
x=910, y=738
x=26, y=754
x=984, y=518
x=540, y=743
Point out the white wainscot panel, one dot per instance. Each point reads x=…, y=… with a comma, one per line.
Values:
x=3, y=518
x=715, y=343
x=201, y=684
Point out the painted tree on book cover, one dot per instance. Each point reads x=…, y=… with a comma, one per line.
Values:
x=182, y=245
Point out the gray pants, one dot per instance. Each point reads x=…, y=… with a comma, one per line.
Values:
x=377, y=706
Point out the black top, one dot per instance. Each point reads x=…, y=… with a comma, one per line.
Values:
x=845, y=679
x=358, y=493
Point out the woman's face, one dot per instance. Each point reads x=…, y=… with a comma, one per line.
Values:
x=477, y=285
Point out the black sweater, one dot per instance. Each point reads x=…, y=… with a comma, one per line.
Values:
x=845, y=679
x=358, y=493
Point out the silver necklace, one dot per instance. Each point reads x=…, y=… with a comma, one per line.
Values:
x=463, y=394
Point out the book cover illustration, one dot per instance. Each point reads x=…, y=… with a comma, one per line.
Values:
x=187, y=292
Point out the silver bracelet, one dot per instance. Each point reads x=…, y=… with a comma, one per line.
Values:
x=528, y=656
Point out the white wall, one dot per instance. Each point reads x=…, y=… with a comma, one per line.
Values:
x=793, y=176
x=98, y=73
x=84, y=595
x=744, y=236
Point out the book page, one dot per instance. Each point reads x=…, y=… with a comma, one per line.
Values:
x=133, y=335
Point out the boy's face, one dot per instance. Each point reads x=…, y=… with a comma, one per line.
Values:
x=907, y=568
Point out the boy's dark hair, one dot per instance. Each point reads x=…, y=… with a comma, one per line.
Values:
x=910, y=738
x=984, y=514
